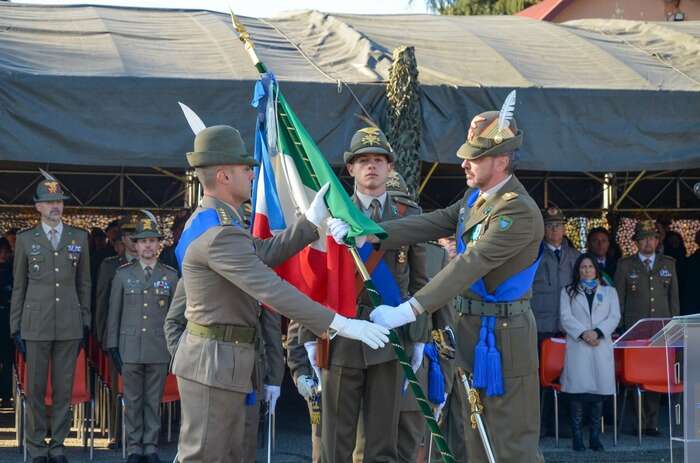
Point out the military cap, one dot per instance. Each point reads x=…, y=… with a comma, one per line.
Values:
x=49, y=189
x=553, y=215
x=368, y=140
x=491, y=135
x=146, y=227
x=396, y=183
x=645, y=229
x=219, y=145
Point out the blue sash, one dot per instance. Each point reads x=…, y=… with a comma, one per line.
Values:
x=202, y=222
x=487, y=371
x=383, y=279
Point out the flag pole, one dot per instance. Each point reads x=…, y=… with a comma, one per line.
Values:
x=374, y=295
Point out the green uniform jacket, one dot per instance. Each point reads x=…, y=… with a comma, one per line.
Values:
x=644, y=294
x=105, y=275
x=270, y=353
x=51, y=293
x=407, y=265
x=508, y=229
x=137, y=309
x=226, y=275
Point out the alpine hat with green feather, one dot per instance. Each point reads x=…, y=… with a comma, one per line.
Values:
x=492, y=133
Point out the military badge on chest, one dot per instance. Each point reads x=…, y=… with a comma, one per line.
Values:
x=633, y=280
x=34, y=252
x=74, y=251
x=162, y=288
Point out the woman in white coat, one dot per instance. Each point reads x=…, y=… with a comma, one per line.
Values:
x=590, y=312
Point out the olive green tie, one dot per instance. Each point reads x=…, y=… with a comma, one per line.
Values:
x=376, y=210
x=149, y=272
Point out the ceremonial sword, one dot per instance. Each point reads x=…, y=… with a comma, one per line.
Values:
x=476, y=419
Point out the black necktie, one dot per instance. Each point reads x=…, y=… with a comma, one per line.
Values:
x=149, y=272
x=557, y=252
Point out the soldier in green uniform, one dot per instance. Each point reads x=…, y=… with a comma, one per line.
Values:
x=360, y=379
x=105, y=276
x=226, y=275
x=50, y=316
x=139, y=300
x=647, y=284
x=499, y=229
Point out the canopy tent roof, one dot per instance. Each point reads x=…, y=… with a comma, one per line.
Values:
x=99, y=85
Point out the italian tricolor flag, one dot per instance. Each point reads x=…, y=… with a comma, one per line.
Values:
x=292, y=169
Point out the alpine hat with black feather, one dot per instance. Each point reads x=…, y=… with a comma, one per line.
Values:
x=146, y=227
x=492, y=133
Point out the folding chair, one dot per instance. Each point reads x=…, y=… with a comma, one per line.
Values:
x=646, y=369
x=80, y=396
x=551, y=365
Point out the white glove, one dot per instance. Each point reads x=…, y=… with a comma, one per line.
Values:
x=417, y=357
x=438, y=409
x=373, y=335
x=272, y=393
x=305, y=386
x=338, y=229
x=310, y=347
x=317, y=212
x=391, y=317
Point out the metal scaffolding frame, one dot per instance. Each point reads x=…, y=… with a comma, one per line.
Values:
x=179, y=189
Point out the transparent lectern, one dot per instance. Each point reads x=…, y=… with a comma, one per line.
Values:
x=671, y=348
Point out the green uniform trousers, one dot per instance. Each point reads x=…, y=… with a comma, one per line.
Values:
x=143, y=391
x=62, y=355
x=212, y=424
x=513, y=419
x=348, y=390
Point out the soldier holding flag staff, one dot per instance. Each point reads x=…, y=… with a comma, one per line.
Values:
x=226, y=272
x=499, y=229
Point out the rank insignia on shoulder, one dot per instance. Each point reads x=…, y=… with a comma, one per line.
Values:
x=510, y=195
x=504, y=222
x=224, y=216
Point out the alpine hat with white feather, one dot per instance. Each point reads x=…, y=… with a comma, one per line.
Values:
x=146, y=227
x=492, y=133
x=216, y=145
x=48, y=189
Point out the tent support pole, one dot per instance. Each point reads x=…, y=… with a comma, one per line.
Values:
x=629, y=188
x=427, y=177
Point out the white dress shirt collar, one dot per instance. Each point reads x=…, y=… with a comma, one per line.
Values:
x=366, y=200
x=495, y=188
x=47, y=230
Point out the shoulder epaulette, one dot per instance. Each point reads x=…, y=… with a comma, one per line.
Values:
x=666, y=256
x=19, y=232
x=510, y=195
x=224, y=217
x=167, y=267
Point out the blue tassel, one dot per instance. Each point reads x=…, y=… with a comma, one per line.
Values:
x=494, y=367
x=250, y=399
x=481, y=350
x=436, y=378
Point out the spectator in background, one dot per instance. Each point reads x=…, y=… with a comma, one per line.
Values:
x=11, y=237
x=598, y=244
x=6, y=345
x=167, y=256
x=553, y=273
x=113, y=232
x=590, y=312
x=690, y=292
